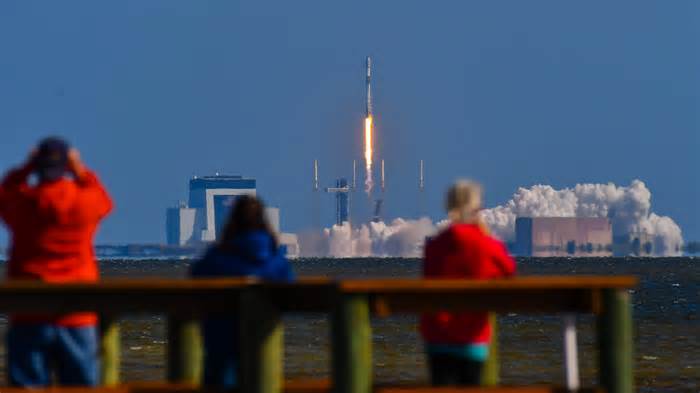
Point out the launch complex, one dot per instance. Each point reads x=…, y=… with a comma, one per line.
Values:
x=343, y=189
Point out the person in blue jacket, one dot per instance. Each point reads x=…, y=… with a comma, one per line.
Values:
x=248, y=248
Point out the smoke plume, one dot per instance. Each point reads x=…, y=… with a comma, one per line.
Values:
x=399, y=238
x=628, y=208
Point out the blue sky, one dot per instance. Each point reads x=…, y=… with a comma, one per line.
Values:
x=511, y=93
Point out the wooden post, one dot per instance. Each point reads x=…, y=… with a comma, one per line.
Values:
x=351, y=340
x=110, y=351
x=262, y=344
x=492, y=368
x=184, y=351
x=616, y=342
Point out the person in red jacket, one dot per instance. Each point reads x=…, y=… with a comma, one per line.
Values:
x=457, y=343
x=52, y=222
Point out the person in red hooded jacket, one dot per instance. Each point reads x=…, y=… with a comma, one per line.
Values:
x=457, y=343
x=52, y=222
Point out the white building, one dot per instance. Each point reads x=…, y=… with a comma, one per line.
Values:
x=204, y=217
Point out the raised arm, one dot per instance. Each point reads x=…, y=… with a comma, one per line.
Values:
x=502, y=259
x=97, y=197
x=96, y=193
x=12, y=185
x=504, y=263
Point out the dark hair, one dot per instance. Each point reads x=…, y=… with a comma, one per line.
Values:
x=247, y=215
x=51, y=159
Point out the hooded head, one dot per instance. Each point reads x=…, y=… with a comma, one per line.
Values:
x=51, y=160
x=464, y=201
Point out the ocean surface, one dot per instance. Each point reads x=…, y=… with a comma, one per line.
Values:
x=666, y=316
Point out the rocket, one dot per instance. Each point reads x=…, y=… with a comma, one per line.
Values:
x=421, y=177
x=369, y=151
x=315, y=175
x=369, y=86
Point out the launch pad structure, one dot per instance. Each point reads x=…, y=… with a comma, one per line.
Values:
x=343, y=190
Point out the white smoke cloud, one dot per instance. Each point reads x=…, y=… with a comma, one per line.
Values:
x=628, y=208
x=399, y=238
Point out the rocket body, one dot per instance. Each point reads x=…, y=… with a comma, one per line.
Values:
x=369, y=150
x=369, y=86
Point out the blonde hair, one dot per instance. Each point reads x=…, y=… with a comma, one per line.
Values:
x=464, y=201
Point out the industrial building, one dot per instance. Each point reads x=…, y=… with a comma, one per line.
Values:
x=635, y=243
x=202, y=219
x=563, y=236
x=210, y=199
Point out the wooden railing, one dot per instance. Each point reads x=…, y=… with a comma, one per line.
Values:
x=350, y=304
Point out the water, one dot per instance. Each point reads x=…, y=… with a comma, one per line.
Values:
x=666, y=316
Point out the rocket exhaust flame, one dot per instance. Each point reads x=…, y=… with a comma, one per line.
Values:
x=369, y=183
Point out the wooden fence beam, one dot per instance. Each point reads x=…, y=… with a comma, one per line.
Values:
x=490, y=375
x=110, y=351
x=616, y=342
x=261, y=342
x=184, y=350
x=351, y=340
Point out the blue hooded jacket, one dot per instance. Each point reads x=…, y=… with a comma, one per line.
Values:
x=252, y=255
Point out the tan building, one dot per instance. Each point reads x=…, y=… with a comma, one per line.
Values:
x=563, y=236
